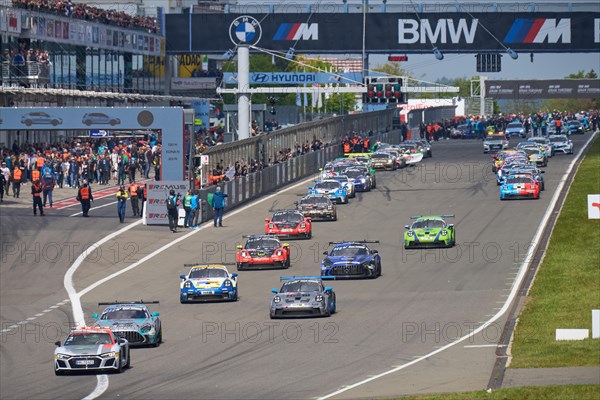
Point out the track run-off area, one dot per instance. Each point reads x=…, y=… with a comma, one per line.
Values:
x=424, y=301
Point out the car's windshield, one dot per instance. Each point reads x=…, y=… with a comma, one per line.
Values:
x=515, y=125
x=530, y=150
x=380, y=155
x=327, y=185
x=317, y=200
x=91, y=338
x=428, y=224
x=558, y=139
x=495, y=137
x=348, y=251
x=300, y=286
x=291, y=217
x=262, y=243
x=201, y=273
x=518, y=179
x=339, y=168
x=127, y=313
x=353, y=173
x=574, y=123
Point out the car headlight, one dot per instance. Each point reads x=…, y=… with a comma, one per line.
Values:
x=279, y=253
x=409, y=233
x=146, y=328
x=227, y=283
x=110, y=354
x=276, y=299
x=244, y=253
x=62, y=356
x=319, y=298
x=363, y=180
x=444, y=232
x=187, y=285
x=368, y=265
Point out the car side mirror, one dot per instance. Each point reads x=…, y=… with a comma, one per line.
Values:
x=296, y=203
x=57, y=343
x=267, y=219
x=406, y=227
x=542, y=172
x=450, y=225
x=239, y=247
x=375, y=251
x=310, y=188
x=324, y=253
x=274, y=290
x=95, y=316
x=328, y=289
x=155, y=314
x=182, y=276
x=121, y=341
x=234, y=276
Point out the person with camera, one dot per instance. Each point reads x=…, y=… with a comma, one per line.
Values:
x=173, y=201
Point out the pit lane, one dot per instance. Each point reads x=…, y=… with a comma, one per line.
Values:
x=233, y=350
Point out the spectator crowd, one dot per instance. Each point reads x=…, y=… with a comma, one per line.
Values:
x=84, y=11
x=71, y=163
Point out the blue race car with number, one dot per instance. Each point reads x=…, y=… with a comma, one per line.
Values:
x=208, y=283
x=351, y=260
x=131, y=320
x=334, y=189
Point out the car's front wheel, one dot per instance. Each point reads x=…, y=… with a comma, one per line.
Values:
x=157, y=342
x=128, y=363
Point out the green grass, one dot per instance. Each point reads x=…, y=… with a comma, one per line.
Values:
x=567, y=286
x=564, y=392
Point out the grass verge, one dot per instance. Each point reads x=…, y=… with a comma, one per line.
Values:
x=567, y=286
x=563, y=392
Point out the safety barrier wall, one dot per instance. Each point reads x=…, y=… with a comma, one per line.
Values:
x=267, y=180
x=266, y=146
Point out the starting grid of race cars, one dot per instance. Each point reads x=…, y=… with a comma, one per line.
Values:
x=105, y=345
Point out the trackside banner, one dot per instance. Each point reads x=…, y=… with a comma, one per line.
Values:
x=544, y=89
x=156, y=204
x=168, y=120
x=451, y=31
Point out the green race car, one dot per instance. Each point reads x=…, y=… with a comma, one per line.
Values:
x=429, y=231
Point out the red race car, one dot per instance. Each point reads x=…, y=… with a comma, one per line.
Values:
x=290, y=224
x=262, y=251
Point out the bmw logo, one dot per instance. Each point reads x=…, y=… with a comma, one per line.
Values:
x=245, y=30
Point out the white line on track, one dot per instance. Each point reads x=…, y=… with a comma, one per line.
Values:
x=518, y=280
x=477, y=346
x=78, y=203
x=75, y=297
x=93, y=208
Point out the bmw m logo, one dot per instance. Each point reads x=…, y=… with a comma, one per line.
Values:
x=245, y=30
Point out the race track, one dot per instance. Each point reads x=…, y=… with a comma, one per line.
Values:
x=424, y=300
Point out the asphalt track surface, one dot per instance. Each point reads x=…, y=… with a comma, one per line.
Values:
x=424, y=300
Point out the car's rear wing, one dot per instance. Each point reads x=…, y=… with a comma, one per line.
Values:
x=208, y=264
x=116, y=302
x=429, y=216
x=269, y=235
x=355, y=241
x=316, y=277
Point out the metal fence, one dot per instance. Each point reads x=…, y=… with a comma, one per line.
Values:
x=267, y=180
x=329, y=131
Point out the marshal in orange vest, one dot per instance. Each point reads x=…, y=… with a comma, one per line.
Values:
x=35, y=175
x=17, y=173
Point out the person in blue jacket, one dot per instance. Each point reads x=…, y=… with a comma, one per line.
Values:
x=218, y=203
